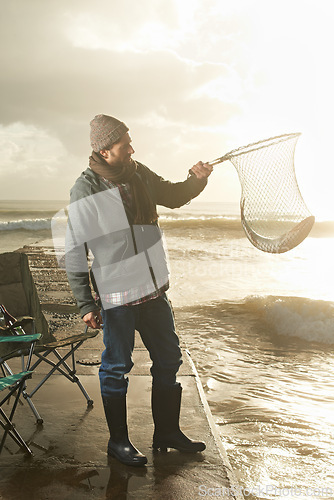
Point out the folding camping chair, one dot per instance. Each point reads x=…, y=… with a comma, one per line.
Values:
x=19, y=295
x=14, y=384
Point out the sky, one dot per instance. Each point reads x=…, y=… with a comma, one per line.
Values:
x=192, y=79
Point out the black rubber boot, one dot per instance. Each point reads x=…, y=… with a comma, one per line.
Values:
x=166, y=404
x=119, y=446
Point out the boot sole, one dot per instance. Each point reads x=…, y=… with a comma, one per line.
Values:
x=163, y=448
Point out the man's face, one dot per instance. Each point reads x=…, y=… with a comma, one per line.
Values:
x=120, y=153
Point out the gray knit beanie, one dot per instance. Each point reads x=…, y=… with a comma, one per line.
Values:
x=105, y=131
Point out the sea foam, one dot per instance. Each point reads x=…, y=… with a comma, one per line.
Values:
x=310, y=320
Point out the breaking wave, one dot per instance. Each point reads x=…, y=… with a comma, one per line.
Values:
x=307, y=319
x=28, y=224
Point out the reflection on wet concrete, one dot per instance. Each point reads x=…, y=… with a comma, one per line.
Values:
x=70, y=461
x=61, y=479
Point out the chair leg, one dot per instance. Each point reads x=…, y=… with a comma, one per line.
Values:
x=39, y=419
x=12, y=432
x=90, y=402
x=9, y=427
x=62, y=367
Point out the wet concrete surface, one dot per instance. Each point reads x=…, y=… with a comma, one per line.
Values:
x=69, y=450
x=70, y=460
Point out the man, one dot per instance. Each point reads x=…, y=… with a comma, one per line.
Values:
x=113, y=216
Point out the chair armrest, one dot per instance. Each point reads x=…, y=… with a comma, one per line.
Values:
x=13, y=379
x=20, y=338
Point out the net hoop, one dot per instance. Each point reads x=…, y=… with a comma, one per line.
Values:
x=254, y=147
x=274, y=215
x=284, y=243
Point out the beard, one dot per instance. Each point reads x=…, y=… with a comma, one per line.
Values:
x=121, y=163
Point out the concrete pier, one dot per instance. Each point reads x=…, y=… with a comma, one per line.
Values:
x=70, y=460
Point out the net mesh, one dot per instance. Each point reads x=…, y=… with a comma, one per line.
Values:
x=273, y=213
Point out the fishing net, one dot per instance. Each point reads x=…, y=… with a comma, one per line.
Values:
x=273, y=213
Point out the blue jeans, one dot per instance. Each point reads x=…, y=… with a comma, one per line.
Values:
x=155, y=322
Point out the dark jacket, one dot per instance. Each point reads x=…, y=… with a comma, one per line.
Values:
x=99, y=221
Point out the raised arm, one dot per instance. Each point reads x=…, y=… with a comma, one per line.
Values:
x=175, y=194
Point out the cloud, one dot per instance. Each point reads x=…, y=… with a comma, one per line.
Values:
x=190, y=78
x=33, y=164
x=21, y=144
x=54, y=85
x=45, y=72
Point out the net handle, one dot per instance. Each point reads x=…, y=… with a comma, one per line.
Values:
x=254, y=145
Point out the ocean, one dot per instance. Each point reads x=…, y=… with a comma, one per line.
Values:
x=260, y=329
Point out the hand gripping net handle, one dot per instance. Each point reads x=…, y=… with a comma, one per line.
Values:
x=274, y=215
